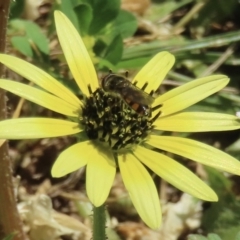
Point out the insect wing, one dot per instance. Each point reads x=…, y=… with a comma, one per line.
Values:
x=135, y=94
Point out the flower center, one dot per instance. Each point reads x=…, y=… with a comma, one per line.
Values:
x=109, y=119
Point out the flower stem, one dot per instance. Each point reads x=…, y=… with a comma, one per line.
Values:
x=10, y=223
x=99, y=223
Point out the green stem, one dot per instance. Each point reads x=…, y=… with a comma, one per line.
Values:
x=10, y=223
x=188, y=17
x=99, y=223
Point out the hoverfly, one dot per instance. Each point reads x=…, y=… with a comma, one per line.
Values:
x=133, y=96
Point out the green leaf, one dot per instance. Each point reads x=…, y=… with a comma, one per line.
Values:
x=100, y=47
x=75, y=3
x=22, y=45
x=16, y=8
x=222, y=217
x=103, y=13
x=237, y=236
x=229, y=232
x=196, y=237
x=213, y=236
x=210, y=236
x=32, y=32
x=125, y=24
x=134, y=63
x=179, y=45
x=106, y=65
x=84, y=15
x=115, y=50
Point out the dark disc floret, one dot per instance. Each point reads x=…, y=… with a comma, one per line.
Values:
x=108, y=119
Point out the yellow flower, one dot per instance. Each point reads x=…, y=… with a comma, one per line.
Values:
x=118, y=136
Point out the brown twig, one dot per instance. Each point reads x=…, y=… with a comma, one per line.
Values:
x=10, y=223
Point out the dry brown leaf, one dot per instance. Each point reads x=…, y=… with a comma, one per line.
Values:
x=45, y=223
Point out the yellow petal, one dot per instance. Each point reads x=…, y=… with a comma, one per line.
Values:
x=196, y=151
x=39, y=77
x=197, y=122
x=101, y=170
x=40, y=97
x=76, y=54
x=72, y=159
x=154, y=71
x=142, y=190
x=188, y=94
x=175, y=173
x=27, y=128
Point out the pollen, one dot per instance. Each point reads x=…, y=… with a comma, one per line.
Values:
x=108, y=119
